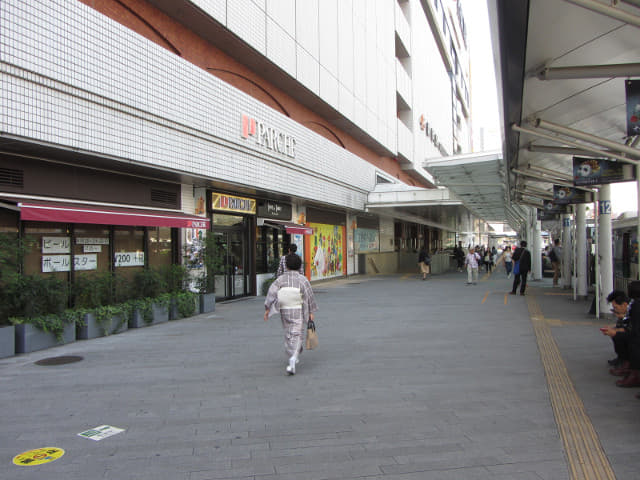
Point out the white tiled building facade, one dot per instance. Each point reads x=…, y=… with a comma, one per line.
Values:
x=387, y=78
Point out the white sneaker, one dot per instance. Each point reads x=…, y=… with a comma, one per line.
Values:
x=291, y=368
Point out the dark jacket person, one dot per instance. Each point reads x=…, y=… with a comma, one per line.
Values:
x=523, y=256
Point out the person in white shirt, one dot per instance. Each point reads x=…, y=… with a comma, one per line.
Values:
x=508, y=262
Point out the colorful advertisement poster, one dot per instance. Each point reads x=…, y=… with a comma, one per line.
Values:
x=550, y=211
x=366, y=240
x=568, y=195
x=632, y=89
x=327, y=247
x=597, y=171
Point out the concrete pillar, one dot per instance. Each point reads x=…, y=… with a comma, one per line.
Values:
x=581, y=250
x=536, y=249
x=567, y=252
x=605, y=250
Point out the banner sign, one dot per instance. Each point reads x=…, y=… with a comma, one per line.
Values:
x=632, y=88
x=550, y=210
x=277, y=210
x=231, y=203
x=568, y=195
x=598, y=171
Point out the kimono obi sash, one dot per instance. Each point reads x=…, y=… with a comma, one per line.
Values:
x=289, y=297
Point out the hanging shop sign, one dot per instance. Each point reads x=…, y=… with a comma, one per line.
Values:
x=271, y=209
x=268, y=137
x=569, y=195
x=632, y=88
x=230, y=203
x=598, y=171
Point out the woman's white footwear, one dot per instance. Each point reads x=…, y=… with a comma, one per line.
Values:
x=291, y=368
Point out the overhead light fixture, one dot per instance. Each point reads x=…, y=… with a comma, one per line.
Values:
x=589, y=71
x=605, y=9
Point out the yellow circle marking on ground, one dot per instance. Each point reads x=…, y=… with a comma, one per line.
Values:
x=38, y=456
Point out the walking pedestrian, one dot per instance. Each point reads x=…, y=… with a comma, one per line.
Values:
x=522, y=257
x=282, y=266
x=292, y=296
x=471, y=262
x=508, y=263
x=424, y=260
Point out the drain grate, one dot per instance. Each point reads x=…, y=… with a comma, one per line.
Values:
x=62, y=360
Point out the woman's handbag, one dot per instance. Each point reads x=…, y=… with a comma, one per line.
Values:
x=516, y=267
x=312, y=336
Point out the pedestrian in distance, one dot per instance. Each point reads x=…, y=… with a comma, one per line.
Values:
x=424, y=261
x=282, y=267
x=522, y=257
x=508, y=263
x=555, y=255
x=292, y=296
x=471, y=262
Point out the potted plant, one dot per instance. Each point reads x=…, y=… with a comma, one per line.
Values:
x=212, y=256
x=94, y=298
x=184, y=305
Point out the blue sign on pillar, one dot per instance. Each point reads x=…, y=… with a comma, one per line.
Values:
x=566, y=222
x=604, y=207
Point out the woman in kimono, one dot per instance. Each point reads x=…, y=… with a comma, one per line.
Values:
x=292, y=296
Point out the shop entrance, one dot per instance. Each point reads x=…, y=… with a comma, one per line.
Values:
x=230, y=232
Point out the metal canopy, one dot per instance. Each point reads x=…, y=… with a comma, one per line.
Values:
x=561, y=72
x=478, y=180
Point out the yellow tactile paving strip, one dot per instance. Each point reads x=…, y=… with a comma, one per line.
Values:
x=585, y=456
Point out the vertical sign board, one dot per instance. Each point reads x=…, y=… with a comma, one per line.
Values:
x=632, y=89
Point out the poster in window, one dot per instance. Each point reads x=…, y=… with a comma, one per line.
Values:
x=327, y=247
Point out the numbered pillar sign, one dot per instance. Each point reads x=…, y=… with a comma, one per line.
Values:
x=566, y=222
x=604, y=207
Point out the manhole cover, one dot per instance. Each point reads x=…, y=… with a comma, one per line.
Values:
x=59, y=360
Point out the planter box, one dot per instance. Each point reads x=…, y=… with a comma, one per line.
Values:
x=160, y=315
x=29, y=338
x=7, y=341
x=207, y=302
x=174, y=314
x=91, y=328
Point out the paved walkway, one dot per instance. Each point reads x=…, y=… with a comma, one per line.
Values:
x=413, y=380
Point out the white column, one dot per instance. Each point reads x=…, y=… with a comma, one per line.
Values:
x=581, y=250
x=567, y=251
x=536, y=248
x=605, y=251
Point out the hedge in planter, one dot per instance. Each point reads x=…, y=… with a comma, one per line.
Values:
x=37, y=333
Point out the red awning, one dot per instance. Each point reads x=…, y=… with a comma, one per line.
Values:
x=290, y=227
x=82, y=213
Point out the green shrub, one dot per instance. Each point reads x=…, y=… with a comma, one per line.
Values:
x=185, y=303
x=149, y=283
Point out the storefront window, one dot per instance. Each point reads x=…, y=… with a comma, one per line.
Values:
x=160, y=248
x=91, y=248
x=128, y=244
x=270, y=247
x=48, y=249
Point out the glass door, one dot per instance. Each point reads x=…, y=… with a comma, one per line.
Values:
x=232, y=278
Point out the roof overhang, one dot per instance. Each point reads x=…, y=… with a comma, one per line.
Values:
x=561, y=73
x=477, y=180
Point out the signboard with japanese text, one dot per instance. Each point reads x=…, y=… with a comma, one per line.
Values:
x=598, y=171
x=56, y=244
x=277, y=210
x=92, y=241
x=62, y=263
x=366, y=240
x=569, y=195
x=128, y=259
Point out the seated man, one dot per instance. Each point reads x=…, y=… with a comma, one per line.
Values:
x=626, y=334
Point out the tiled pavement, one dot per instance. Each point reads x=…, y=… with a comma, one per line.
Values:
x=413, y=380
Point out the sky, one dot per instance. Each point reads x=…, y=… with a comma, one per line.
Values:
x=484, y=98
